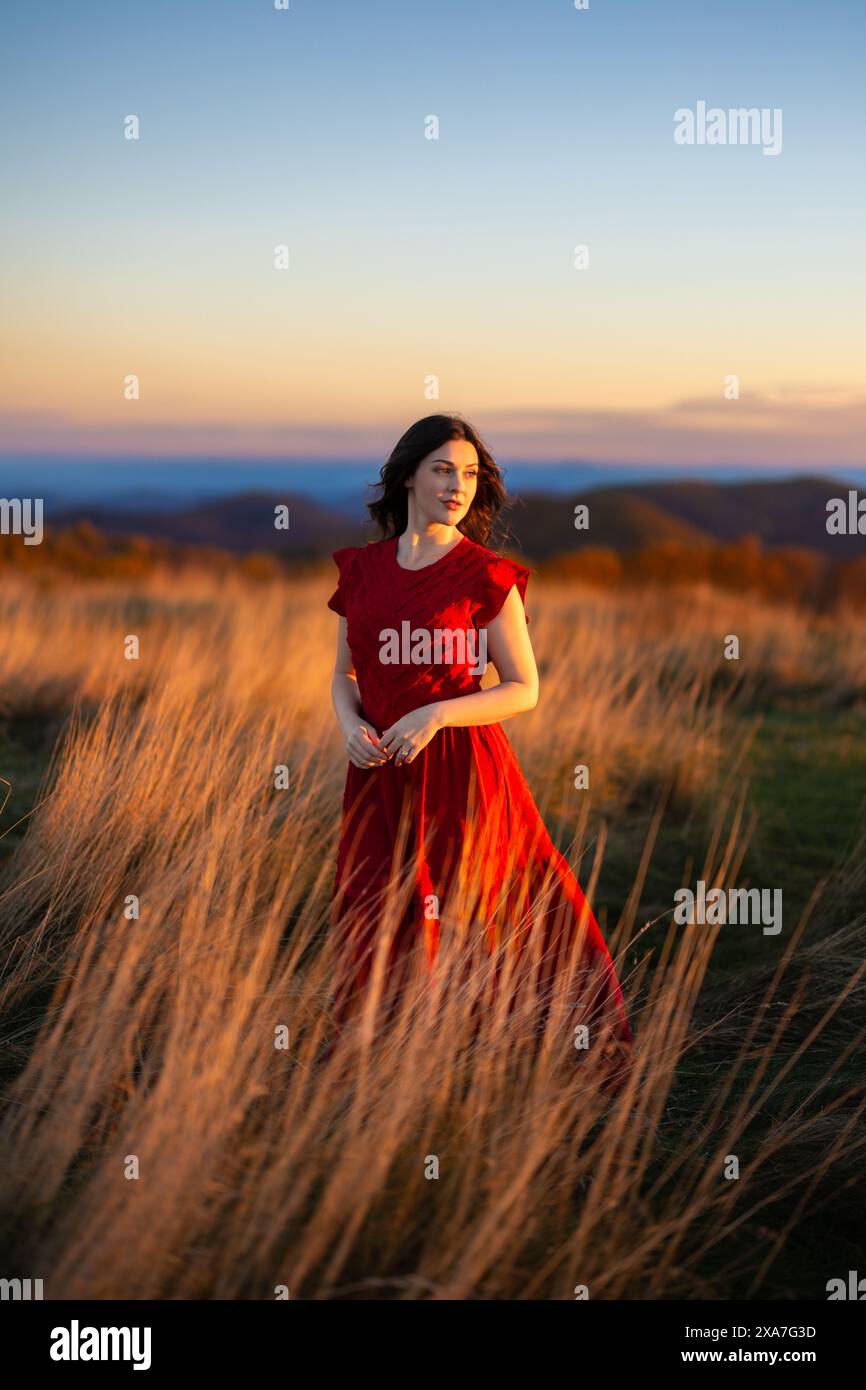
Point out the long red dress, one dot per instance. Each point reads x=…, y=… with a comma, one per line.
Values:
x=463, y=792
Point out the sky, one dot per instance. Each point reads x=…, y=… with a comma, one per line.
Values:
x=449, y=260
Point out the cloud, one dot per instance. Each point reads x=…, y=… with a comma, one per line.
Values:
x=794, y=425
x=755, y=429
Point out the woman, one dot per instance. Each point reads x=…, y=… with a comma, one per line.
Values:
x=432, y=774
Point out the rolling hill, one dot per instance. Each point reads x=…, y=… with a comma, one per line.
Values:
x=790, y=512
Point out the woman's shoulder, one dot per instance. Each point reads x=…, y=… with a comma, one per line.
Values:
x=349, y=554
x=490, y=562
x=491, y=577
x=353, y=563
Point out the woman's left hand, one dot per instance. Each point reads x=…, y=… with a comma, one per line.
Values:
x=404, y=740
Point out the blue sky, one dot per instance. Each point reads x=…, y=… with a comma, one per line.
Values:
x=451, y=257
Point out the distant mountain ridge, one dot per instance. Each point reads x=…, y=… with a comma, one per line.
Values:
x=790, y=512
x=242, y=523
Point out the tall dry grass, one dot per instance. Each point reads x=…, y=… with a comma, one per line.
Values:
x=260, y=1166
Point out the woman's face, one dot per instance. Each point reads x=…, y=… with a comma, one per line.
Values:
x=444, y=484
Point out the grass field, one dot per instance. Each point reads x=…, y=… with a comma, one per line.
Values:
x=155, y=1143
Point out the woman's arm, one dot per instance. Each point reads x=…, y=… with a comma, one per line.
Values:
x=362, y=740
x=510, y=650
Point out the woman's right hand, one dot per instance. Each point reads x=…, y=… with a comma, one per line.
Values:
x=362, y=746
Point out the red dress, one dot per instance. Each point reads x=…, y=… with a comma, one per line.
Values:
x=465, y=788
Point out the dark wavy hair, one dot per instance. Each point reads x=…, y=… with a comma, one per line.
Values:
x=390, y=510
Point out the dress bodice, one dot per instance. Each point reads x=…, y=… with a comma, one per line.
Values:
x=417, y=636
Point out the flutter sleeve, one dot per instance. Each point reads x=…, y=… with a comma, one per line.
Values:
x=497, y=582
x=344, y=560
